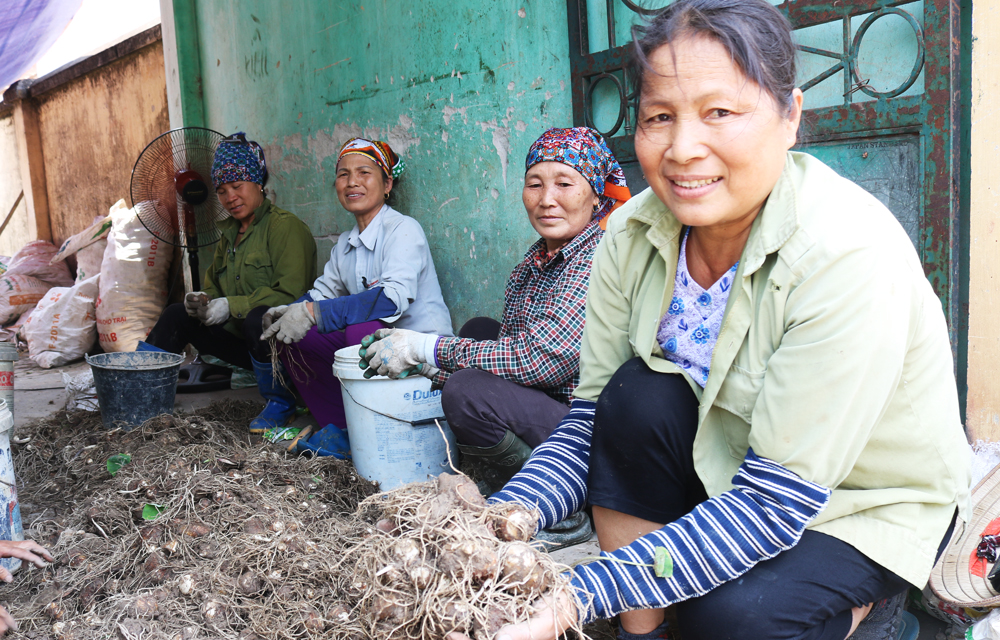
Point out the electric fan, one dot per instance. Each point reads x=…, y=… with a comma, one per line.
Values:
x=172, y=195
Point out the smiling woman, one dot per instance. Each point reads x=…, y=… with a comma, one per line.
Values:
x=766, y=387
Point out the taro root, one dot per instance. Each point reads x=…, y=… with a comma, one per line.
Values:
x=208, y=549
x=249, y=583
x=191, y=529
x=436, y=509
x=285, y=592
x=186, y=584
x=214, y=611
x=55, y=610
x=472, y=559
x=406, y=551
x=311, y=619
x=88, y=594
x=454, y=616
x=386, y=525
x=522, y=568
x=145, y=606
x=254, y=527
x=151, y=533
x=340, y=613
x=421, y=574
x=155, y=567
x=513, y=522
x=464, y=491
x=387, y=609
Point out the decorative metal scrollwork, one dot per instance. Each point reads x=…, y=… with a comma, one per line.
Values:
x=623, y=101
x=848, y=60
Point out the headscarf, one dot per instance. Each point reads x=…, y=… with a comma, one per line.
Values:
x=377, y=151
x=585, y=150
x=238, y=160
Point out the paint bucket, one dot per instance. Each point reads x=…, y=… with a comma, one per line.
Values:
x=10, y=520
x=8, y=356
x=392, y=425
x=134, y=386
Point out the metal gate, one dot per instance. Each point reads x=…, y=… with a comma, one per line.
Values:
x=881, y=83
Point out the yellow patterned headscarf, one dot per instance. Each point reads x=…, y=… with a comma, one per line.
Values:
x=377, y=151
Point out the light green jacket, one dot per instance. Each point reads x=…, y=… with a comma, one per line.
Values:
x=833, y=359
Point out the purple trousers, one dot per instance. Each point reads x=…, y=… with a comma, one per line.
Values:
x=310, y=362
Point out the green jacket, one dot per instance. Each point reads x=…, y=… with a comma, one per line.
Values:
x=274, y=264
x=833, y=359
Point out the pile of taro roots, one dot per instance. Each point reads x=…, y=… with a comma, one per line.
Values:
x=202, y=534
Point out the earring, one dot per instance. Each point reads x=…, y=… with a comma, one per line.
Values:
x=386, y=196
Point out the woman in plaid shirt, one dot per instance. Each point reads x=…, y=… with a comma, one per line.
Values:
x=508, y=384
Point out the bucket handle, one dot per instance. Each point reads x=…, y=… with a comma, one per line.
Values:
x=413, y=423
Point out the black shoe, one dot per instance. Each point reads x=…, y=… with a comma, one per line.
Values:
x=573, y=530
x=884, y=621
x=494, y=466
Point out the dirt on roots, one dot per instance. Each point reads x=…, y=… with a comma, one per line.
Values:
x=203, y=534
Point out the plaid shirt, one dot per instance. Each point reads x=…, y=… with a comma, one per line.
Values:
x=543, y=316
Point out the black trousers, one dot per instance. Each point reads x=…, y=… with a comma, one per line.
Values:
x=175, y=329
x=641, y=464
x=481, y=407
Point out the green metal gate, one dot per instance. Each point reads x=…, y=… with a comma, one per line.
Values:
x=881, y=82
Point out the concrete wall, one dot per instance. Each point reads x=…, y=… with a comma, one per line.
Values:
x=16, y=233
x=93, y=128
x=460, y=89
x=983, y=409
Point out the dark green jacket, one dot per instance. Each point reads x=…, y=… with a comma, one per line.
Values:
x=274, y=264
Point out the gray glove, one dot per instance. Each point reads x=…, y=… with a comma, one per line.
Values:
x=288, y=323
x=398, y=353
x=194, y=302
x=215, y=313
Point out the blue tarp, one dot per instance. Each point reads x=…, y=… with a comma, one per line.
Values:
x=28, y=28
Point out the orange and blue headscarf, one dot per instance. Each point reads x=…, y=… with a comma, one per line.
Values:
x=238, y=160
x=586, y=151
x=377, y=151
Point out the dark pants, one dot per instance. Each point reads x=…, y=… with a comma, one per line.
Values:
x=175, y=329
x=481, y=407
x=641, y=464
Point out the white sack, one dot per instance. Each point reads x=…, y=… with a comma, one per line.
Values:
x=97, y=231
x=63, y=325
x=33, y=260
x=133, y=283
x=18, y=294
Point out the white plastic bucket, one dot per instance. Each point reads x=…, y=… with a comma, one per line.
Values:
x=10, y=516
x=391, y=424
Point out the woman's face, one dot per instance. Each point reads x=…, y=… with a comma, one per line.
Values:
x=240, y=199
x=559, y=200
x=711, y=143
x=361, y=187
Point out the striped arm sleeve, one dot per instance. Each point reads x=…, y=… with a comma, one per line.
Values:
x=554, y=479
x=722, y=538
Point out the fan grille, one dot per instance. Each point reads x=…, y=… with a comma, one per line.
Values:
x=169, y=162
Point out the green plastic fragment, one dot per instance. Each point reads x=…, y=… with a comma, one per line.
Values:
x=152, y=511
x=117, y=461
x=663, y=566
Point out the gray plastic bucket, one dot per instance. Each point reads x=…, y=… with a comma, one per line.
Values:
x=134, y=386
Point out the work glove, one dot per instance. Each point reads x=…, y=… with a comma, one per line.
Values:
x=271, y=315
x=194, y=301
x=215, y=313
x=289, y=323
x=398, y=353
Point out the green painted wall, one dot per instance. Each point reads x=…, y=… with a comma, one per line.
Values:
x=460, y=88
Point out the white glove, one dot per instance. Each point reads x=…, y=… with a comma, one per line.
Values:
x=289, y=324
x=215, y=313
x=271, y=315
x=398, y=353
x=195, y=301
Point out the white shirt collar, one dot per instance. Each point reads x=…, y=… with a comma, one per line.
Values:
x=369, y=236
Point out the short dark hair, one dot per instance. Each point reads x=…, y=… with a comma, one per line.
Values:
x=756, y=35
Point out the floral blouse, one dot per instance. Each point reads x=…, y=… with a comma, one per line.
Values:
x=690, y=326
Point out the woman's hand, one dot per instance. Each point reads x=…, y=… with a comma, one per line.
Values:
x=195, y=302
x=215, y=313
x=26, y=550
x=398, y=353
x=290, y=323
x=554, y=613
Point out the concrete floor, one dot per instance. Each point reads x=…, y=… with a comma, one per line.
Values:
x=40, y=392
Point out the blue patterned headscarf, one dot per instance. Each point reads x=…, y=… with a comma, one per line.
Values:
x=585, y=150
x=238, y=160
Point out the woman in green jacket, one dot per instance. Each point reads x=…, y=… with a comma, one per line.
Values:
x=266, y=257
x=767, y=388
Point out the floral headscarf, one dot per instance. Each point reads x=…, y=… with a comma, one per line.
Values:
x=238, y=160
x=377, y=151
x=585, y=150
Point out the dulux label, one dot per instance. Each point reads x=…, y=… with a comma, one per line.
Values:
x=419, y=397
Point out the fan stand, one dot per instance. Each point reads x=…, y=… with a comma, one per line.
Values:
x=198, y=376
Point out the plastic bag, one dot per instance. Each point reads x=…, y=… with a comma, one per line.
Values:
x=19, y=294
x=81, y=393
x=986, y=629
x=33, y=260
x=96, y=232
x=133, y=284
x=89, y=260
x=63, y=326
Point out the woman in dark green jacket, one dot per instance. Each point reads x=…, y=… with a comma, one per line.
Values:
x=265, y=258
